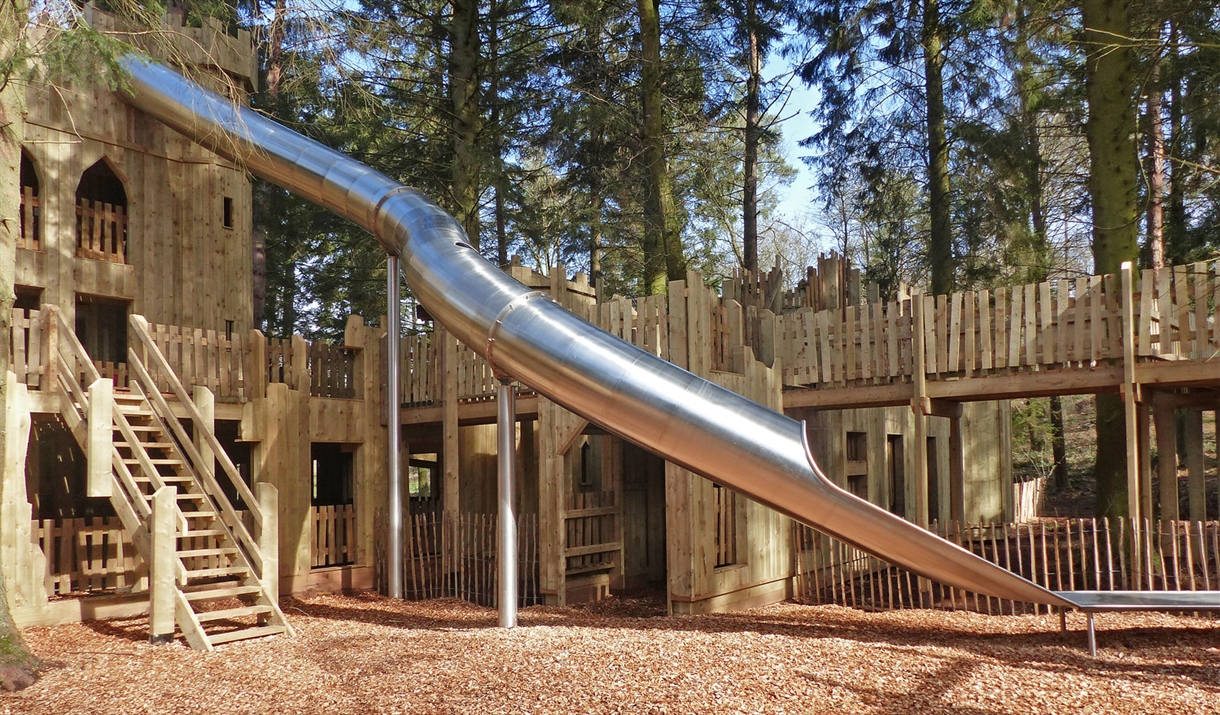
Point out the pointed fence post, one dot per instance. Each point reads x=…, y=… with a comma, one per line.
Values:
x=162, y=571
x=269, y=537
x=98, y=455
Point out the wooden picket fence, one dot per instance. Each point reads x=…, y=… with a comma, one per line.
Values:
x=332, y=370
x=334, y=536
x=450, y=556
x=1058, y=554
x=101, y=231
x=203, y=358
x=1065, y=323
x=87, y=555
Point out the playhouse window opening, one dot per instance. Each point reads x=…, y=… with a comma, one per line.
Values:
x=228, y=212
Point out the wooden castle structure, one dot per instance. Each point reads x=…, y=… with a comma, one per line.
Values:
x=168, y=458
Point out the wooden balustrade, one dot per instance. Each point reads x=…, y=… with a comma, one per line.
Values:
x=205, y=358
x=31, y=221
x=87, y=555
x=1058, y=554
x=334, y=535
x=101, y=231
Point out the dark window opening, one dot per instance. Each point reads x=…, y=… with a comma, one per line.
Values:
x=55, y=474
x=101, y=215
x=228, y=433
x=228, y=212
x=857, y=464
x=586, y=465
x=31, y=211
x=332, y=474
x=27, y=298
x=933, y=482
x=101, y=326
x=894, y=467
x=228, y=330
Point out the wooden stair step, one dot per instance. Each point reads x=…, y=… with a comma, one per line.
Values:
x=191, y=496
x=199, y=514
x=202, y=532
x=205, y=616
x=142, y=428
x=260, y=632
x=154, y=460
x=215, y=594
x=216, y=551
x=175, y=478
x=222, y=571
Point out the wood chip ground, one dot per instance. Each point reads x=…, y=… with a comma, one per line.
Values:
x=371, y=655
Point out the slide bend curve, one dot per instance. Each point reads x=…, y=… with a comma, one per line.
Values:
x=688, y=420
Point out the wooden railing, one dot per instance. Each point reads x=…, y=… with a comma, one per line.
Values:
x=101, y=231
x=334, y=535
x=725, y=511
x=420, y=376
x=87, y=555
x=203, y=358
x=1067, y=323
x=31, y=221
x=332, y=370
x=1058, y=554
x=454, y=556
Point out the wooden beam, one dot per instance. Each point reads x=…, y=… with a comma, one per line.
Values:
x=1167, y=461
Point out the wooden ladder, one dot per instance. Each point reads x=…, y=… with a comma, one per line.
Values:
x=220, y=594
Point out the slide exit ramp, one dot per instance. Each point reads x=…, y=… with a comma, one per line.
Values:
x=523, y=333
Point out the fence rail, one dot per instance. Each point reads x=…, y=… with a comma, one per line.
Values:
x=27, y=347
x=1058, y=554
x=454, y=556
x=202, y=358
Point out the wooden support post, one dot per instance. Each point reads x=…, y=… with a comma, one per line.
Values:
x=449, y=425
x=920, y=407
x=1144, y=419
x=100, y=441
x=1131, y=391
x=957, y=470
x=1167, y=459
x=269, y=537
x=161, y=567
x=205, y=401
x=256, y=366
x=1197, y=503
x=300, y=364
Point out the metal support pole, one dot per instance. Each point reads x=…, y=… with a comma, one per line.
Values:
x=393, y=330
x=1092, y=635
x=506, y=532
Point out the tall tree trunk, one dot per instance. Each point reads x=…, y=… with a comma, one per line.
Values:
x=1175, y=229
x=663, y=260
x=499, y=181
x=1113, y=171
x=464, y=93
x=595, y=241
x=940, y=248
x=17, y=664
x=1154, y=167
x=749, y=216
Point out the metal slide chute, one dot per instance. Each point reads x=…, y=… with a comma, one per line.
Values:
x=634, y=394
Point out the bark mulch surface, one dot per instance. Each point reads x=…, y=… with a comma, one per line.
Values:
x=367, y=654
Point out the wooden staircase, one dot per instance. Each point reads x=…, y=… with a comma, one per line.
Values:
x=223, y=579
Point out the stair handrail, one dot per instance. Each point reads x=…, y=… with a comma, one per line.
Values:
x=77, y=350
x=140, y=328
x=211, y=487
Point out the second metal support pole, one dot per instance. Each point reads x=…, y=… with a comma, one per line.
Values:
x=506, y=522
x=394, y=315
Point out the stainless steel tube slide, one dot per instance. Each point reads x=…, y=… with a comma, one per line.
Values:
x=525, y=335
